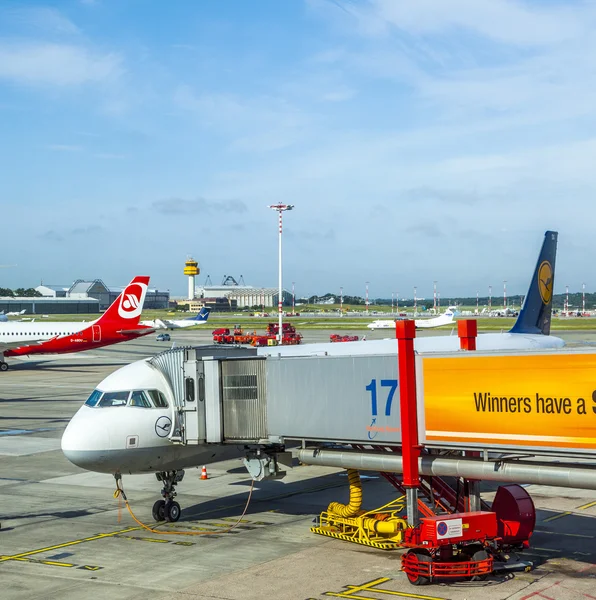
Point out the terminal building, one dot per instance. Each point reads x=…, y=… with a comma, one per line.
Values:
x=245, y=296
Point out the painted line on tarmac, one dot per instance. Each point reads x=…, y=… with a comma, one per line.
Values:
x=555, y=517
x=55, y=563
x=153, y=540
x=579, y=535
x=589, y=505
x=371, y=586
x=92, y=538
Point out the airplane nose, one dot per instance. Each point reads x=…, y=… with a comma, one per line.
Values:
x=85, y=442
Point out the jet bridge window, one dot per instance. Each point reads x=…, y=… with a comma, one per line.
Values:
x=114, y=399
x=140, y=399
x=159, y=400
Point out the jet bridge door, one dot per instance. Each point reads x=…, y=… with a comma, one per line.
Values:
x=193, y=409
x=185, y=375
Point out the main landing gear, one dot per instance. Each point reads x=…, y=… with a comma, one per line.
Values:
x=3, y=366
x=168, y=509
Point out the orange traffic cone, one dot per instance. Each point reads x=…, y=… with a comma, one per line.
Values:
x=204, y=473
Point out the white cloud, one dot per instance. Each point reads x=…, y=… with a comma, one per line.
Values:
x=37, y=63
x=42, y=18
x=339, y=95
x=252, y=124
x=506, y=21
x=503, y=21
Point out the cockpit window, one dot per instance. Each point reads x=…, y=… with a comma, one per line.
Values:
x=140, y=399
x=94, y=398
x=159, y=400
x=114, y=399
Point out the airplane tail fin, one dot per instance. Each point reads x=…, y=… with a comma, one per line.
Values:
x=535, y=314
x=127, y=308
x=202, y=316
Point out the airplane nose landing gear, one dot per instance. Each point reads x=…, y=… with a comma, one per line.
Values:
x=168, y=509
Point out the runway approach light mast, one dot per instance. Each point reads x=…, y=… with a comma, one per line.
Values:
x=191, y=269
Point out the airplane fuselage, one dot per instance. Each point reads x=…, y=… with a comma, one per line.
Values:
x=61, y=338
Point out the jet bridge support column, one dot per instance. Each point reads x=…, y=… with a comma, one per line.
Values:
x=467, y=331
x=405, y=332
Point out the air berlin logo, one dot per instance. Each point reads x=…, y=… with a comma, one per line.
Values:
x=131, y=301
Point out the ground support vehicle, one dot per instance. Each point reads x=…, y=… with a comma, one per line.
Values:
x=336, y=337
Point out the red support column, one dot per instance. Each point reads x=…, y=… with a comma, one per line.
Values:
x=467, y=330
x=405, y=332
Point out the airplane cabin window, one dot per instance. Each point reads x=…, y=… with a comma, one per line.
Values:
x=140, y=399
x=114, y=399
x=158, y=398
x=94, y=398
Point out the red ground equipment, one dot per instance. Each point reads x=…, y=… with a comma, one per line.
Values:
x=516, y=515
x=336, y=337
x=463, y=544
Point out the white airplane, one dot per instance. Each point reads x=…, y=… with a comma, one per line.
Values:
x=124, y=425
x=503, y=312
x=447, y=318
x=199, y=319
x=4, y=316
x=15, y=313
x=119, y=323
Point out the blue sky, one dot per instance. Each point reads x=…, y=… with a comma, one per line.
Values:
x=419, y=141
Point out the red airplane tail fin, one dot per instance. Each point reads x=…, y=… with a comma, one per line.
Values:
x=127, y=308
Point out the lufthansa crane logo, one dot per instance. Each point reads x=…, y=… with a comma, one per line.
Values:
x=545, y=281
x=163, y=426
x=131, y=301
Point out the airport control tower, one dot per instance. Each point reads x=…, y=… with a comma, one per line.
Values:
x=191, y=268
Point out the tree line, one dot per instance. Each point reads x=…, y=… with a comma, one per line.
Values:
x=20, y=293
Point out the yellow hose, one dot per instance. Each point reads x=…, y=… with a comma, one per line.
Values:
x=119, y=493
x=385, y=527
x=353, y=508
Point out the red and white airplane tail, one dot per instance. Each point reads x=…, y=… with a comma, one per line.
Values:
x=127, y=308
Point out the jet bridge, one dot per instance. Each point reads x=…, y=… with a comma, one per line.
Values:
x=535, y=403
x=231, y=395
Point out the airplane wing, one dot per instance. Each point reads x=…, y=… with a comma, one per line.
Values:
x=22, y=344
x=138, y=331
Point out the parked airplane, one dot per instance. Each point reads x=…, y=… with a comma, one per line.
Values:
x=14, y=313
x=134, y=438
x=446, y=318
x=119, y=323
x=4, y=316
x=199, y=319
x=503, y=312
